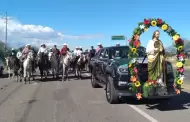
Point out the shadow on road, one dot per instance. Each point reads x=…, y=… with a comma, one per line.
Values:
x=5, y=75
x=180, y=102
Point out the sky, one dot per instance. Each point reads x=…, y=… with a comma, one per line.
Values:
x=88, y=22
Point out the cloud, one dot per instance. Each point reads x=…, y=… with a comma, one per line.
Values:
x=90, y=36
x=35, y=34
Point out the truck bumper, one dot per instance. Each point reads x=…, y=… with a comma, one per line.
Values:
x=126, y=93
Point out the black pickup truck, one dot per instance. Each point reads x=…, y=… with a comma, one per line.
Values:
x=109, y=69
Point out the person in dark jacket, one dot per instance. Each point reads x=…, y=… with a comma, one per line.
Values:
x=55, y=51
x=13, y=52
x=92, y=52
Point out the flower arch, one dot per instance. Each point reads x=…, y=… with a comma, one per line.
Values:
x=134, y=44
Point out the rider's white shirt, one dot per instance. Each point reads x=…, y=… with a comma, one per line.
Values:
x=44, y=50
x=19, y=55
x=75, y=52
x=79, y=52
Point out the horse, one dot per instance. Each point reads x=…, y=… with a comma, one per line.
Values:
x=43, y=64
x=13, y=66
x=27, y=65
x=87, y=60
x=80, y=64
x=73, y=61
x=65, y=65
x=54, y=62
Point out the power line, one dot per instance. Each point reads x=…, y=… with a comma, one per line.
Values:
x=6, y=18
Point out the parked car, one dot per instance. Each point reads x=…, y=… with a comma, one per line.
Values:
x=109, y=69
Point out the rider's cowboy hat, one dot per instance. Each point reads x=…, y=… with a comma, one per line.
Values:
x=28, y=45
x=99, y=44
x=12, y=49
x=42, y=44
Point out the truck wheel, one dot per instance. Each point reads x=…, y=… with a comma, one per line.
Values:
x=111, y=94
x=94, y=82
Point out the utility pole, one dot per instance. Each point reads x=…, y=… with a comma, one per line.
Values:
x=6, y=18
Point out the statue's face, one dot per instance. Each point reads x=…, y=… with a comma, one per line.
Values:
x=157, y=34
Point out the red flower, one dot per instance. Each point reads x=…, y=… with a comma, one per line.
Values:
x=135, y=70
x=136, y=43
x=179, y=41
x=146, y=22
x=181, y=55
x=159, y=21
x=180, y=70
x=151, y=81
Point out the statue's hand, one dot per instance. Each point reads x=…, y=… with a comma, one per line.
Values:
x=156, y=50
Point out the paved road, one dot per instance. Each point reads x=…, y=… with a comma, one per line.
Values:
x=77, y=101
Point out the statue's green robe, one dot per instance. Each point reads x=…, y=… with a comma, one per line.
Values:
x=155, y=59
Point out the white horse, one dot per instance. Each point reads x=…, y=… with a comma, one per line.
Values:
x=28, y=66
x=65, y=65
x=12, y=64
x=10, y=71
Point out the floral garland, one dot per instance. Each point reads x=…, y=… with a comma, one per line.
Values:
x=134, y=44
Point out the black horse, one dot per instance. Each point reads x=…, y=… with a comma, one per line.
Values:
x=43, y=64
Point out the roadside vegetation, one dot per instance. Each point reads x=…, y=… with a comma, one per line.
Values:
x=170, y=52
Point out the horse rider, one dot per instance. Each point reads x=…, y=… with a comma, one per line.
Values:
x=13, y=52
x=79, y=51
x=55, y=50
x=64, y=50
x=42, y=49
x=19, y=53
x=56, y=53
x=92, y=52
x=75, y=50
x=99, y=47
x=25, y=51
x=80, y=48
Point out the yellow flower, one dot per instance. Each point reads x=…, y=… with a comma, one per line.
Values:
x=137, y=84
x=130, y=65
x=176, y=37
x=164, y=27
x=179, y=64
x=153, y=23
x=145, y=29
x=134, y=50
x=149, y=83
x=179, y=81
x=146, y=84
x=180, y=48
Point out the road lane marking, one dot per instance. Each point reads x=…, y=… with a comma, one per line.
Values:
x=143, y=113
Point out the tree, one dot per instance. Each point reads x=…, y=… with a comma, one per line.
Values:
x=2, y=50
